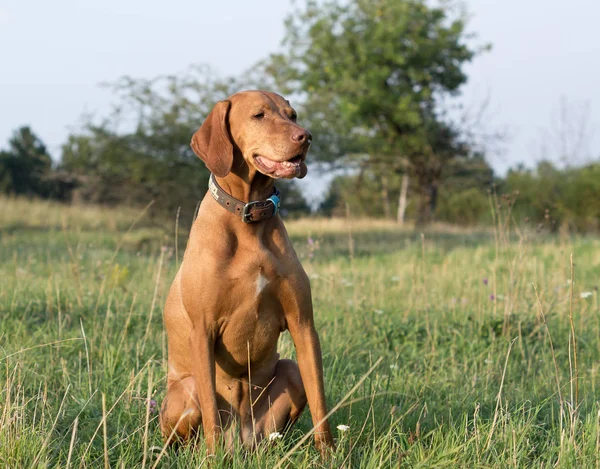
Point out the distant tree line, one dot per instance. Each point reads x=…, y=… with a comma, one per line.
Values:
x=137, y=154
x=26, y=168
x=376, y=83
x=548, y=195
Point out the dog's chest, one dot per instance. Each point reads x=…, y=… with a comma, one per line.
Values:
x=256, y=317
x=251, y=331
x=261, y=282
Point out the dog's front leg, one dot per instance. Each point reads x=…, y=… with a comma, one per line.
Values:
x=203, y=352
x=308, y=351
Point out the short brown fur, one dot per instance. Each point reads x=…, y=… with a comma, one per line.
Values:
x=238, y=288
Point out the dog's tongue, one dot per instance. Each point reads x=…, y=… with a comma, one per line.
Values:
x=267, y=162
x=284, y=169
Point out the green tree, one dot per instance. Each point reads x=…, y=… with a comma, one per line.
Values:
x=141, y=151
x=465, y=196
x=293, y=202
x=365, y=193
x=557, y=198
x=463, y=200
x=26, y=166
x=372, y=75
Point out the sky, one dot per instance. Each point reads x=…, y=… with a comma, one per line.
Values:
x=54, y=54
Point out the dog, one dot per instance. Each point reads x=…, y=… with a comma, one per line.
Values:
x=240, y=286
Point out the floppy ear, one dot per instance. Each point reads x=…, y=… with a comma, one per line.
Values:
x=212, y=142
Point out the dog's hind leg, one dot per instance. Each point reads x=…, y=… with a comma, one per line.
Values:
x=281, y=404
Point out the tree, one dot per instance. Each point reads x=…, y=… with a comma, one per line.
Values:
x=26, y=165
x=141, y=151
x=465, y=199
x=366, y=192
x=557, y=198
x=371, y=74
x=293, y=202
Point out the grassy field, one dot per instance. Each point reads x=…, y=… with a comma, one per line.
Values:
x=488, y=344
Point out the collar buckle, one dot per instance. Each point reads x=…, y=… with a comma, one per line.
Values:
x=261, y=209
x=246, y=213
x=250, y=212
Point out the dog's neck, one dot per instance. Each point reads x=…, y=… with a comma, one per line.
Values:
x=247, y=184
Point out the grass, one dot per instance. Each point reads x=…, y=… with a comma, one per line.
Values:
x=489, y=345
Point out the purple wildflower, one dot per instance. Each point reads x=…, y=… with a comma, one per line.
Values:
x=492, y=297
x=485, y=281
x=311, y=241
x=152, y=404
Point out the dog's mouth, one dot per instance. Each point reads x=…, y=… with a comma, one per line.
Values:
x=291, y=168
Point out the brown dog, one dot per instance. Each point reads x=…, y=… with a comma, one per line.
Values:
x=241, y=285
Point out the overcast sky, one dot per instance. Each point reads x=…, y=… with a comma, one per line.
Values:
x=53, y=55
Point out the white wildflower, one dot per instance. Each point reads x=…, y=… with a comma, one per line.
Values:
x=378, y=311
x=343, y=428
x=395, y=278
x=585, y=294
x=274, y=436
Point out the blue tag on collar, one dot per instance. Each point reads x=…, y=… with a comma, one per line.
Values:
x=276, y=201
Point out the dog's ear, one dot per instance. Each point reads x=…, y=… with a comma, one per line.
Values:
x=212, y=142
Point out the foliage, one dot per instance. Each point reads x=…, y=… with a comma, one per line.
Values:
x=464, y=199
x=373, y=79
x=25, y=166
x=466, y=207
x=557, y=198
x=373, y=75
x=293, y=202
x=141, y=152
x=361, y=192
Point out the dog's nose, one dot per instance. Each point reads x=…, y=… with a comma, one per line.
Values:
x=302, y=136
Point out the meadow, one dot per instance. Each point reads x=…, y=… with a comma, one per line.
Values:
x=449, y=348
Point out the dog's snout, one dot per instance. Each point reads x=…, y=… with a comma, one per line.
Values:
x=302, y=136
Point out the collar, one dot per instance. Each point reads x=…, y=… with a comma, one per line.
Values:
x=250, y=212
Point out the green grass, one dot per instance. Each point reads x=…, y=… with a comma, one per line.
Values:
x=465, y=380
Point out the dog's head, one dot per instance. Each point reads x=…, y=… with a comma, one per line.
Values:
x=258, y=126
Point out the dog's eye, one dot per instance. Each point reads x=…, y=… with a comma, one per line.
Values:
x=293, y=117
x=259, y=115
